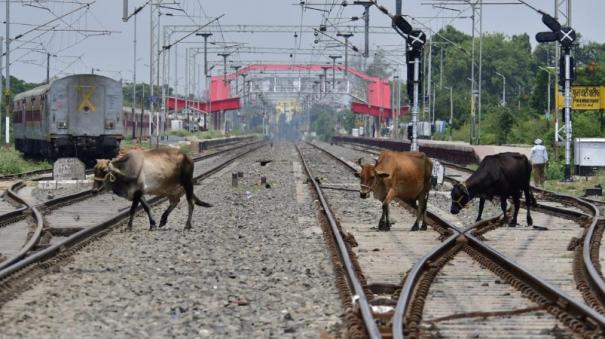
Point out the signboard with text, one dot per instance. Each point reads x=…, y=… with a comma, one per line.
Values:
x=585, y=98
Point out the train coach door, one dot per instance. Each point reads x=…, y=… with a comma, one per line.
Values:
x=86, y=109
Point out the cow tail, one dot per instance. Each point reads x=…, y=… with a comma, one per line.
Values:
x=198, y=202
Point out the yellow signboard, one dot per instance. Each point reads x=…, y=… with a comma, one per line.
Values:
x=585, y=98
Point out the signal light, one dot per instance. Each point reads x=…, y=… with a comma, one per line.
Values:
x=551, y=22
x=546, y=36
x=401, y=25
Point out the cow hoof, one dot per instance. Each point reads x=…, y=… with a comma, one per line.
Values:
x=530, y=221
x=512, y=224
x=162, y=223
x=414, y=228
x=384, y=228
x=423, y=228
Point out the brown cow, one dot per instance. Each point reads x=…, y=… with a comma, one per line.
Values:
x=398, y=175
x=164, y=172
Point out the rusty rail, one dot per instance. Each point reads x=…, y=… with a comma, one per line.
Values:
x=355, y=284
x=576, y=315
x=76, y=238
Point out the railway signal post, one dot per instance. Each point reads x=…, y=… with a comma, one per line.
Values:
x=566, y=36
x=415, y=42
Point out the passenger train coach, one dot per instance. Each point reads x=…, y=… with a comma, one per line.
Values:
x=75, y=116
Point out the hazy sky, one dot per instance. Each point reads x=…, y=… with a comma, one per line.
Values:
x=113, y=53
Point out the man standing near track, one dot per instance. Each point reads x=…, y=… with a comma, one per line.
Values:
x=539, y=158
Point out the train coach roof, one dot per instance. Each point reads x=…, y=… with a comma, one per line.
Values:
x=33, y=92
x=44, y=88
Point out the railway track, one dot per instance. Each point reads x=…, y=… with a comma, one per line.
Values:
x=208, y=145
x=452, y=276
x=572, y=244
x=65, y=224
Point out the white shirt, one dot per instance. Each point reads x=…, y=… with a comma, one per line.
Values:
x=539, y=155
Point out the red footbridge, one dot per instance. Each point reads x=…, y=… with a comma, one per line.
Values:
x=221, y=99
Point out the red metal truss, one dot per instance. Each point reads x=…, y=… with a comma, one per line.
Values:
x=205, y=107
x=363, y=108
x=379, y=90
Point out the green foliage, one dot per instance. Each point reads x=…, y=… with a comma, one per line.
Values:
x=12, y=162
x=179, y=133
x=504, y=120
x=210, y=134
x=323, y=120
x=587, y=124
x=143, y=91
x=555, y=170
x=186, y=148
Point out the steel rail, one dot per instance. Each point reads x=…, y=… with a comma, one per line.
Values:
x=581, y=311
x=35, y=237
x=366, y=311
x=597, y=280
x=208, y=143
x=420, y=267
x=85, y=233
x=18, y=211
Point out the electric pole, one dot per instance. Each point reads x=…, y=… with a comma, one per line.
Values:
x=334, y=57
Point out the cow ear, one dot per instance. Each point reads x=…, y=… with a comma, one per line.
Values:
x=359, y=161
x=358, y=174
x=382, y=174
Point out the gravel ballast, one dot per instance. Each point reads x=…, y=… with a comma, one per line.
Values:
x=254, y=265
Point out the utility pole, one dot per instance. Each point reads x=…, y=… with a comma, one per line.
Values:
x=152, y=49
x=451, y=110
x=334, y=57
x=395, y=104
x=366, y=17
x=1, y=45
x=503, y=103
x=236, y=113
x=441, y=67
x=134, y=77
x=224, y=56
x=548, y=93
x=346, y=35
x=474, y=82
x=206, y=35
x=7, y=89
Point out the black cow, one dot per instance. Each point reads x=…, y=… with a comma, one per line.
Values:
x=501, y=175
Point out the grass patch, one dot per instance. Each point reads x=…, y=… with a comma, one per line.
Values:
x=12, y=162
x=211, y=134
x=133, y=143
x=186, y=148
x=577, y=187
x=179, y=133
